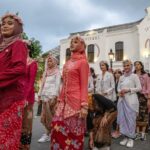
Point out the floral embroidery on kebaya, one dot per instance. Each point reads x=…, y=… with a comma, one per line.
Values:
x=68, y=142
x=63, y=131
x=76, y=144
x=73, y=126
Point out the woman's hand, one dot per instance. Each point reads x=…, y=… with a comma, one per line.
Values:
x=105, y=94
x=123, y=92
x=83, y=112
x=91, y=143
x=104, y=121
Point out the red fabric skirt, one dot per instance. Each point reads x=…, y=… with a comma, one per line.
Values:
x=67, y=134
x=10, y=126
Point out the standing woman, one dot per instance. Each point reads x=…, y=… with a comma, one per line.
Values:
x=94, y=77
x=68, y=125
x=105, y=84
x=142, y=119
x=48, y=94
x=28, y=110
x=128, y=104
x=13, y=56
x=117, y=75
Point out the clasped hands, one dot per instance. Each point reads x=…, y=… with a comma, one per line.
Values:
x=123, y=92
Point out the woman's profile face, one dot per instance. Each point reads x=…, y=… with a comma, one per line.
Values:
x=117, y=74
x=7, y=27
x=75, y=44
x=103, y=67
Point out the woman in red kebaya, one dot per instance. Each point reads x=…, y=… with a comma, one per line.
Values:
x=68, y=125
x=13, y=56
x=28, y=110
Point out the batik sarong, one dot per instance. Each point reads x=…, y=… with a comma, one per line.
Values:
x=67, y=134
x=142, y=119
x=10, y=126
x=126, y=119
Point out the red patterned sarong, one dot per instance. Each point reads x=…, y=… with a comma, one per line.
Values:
x=10, y=126
x=67, y=134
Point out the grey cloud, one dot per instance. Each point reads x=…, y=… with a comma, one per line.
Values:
x=50, y=20
x=130, y=8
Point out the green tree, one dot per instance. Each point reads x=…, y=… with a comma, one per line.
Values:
x=35, y=47
x=24, y=36
x=39, y=74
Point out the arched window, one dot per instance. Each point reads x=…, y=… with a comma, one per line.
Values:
x=68, y=54
x=147, y=44
x=119, y=51
x=90, y=52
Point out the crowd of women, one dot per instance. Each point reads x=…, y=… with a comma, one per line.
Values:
x=78, y=102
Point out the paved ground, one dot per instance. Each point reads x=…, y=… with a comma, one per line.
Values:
x=38, y=130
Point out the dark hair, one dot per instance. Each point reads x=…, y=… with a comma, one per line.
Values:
x=142, y=69
x=104, y=103
x=92, y=72
x=106, y=64
x=117, y=70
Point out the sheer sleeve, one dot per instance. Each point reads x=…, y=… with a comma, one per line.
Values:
x=84, y=74
x=112, y=85
x=137, y=83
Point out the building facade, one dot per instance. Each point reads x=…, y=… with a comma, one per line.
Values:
x=127, y=41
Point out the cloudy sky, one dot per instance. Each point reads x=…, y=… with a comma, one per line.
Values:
x=51, y=20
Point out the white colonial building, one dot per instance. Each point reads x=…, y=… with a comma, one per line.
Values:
x=127, y=41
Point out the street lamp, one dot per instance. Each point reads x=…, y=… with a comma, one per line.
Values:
x=111, y=57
